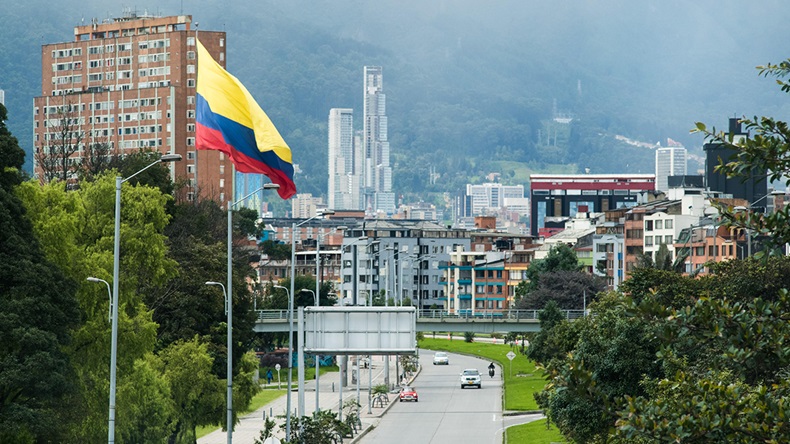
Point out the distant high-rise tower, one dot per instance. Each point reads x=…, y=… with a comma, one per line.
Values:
x=752, y=188
x=670, y=161
x=345, y=162
x=2, y=97
x=121, y=86
x=378, y=172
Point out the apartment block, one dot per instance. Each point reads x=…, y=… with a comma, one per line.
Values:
x=124, y=85
x=564, y=195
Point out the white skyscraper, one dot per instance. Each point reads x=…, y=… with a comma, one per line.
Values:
x=345, y=162
x=670, y=161
x=378, y=172
x=2, y=96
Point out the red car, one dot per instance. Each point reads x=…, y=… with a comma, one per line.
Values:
x=408, y=394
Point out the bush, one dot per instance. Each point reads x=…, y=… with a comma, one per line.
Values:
x=269, y=360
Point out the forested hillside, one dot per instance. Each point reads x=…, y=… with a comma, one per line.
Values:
x=471, y=86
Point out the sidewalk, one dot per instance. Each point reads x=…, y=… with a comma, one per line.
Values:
x=249, y=427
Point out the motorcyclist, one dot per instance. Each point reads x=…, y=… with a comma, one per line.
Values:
x=491, y=370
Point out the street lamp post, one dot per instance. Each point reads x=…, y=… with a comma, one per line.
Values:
x=342, y=369
x=749, y=217
x=291, y=328
x=386, y=303
x=315, y=297
x=229, y=314
x=109, y=292
x=115, y=274
x=419, y=278
x=369, y=256
x=229, y=306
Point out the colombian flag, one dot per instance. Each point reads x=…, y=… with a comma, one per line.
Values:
x=229, y=120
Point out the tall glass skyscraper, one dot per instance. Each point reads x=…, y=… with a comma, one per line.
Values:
x=345, y=162
x=378, y=171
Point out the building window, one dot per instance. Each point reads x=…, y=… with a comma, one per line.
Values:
x=668, y=224
x=221, y=43
x=190, y=41
x=648, y=241
x=190, y=55
x=659, y=224
x=668, y=239
x=648, y=225
x=190, y=69
x=191, y=83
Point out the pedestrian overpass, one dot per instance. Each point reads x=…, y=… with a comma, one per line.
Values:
x=438, y=320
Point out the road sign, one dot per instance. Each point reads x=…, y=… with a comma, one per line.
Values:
x=277, y=366
x=510, y=355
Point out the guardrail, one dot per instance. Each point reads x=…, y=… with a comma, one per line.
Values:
x=509, y=315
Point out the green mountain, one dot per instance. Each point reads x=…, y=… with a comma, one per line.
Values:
x=472, y=87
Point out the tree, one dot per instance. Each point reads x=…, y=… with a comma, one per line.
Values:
x=734, y=391
x=768, y=149
x=75, y=232
x=39, y=310
x=97, y=159
x=321, y=428
x=572, y=290
x=522, y=288
x=245, y=220
x=611, y=354
x=677, y=359
x=54, y=155
x=550, y=344
x=151, y=399
x=275, y=250
x=197, y=394
x=157, y=176
x=560, y=257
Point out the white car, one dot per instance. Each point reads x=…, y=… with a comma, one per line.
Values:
x=471, y=377
x=441, y=358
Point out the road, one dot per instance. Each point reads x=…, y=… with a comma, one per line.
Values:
x=445, y=413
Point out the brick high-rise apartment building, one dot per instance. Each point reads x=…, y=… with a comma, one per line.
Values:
x=123, y=85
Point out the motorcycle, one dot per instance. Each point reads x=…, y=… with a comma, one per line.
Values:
x=491, y=371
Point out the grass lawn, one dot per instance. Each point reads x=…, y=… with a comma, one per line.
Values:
x=263, y=397
x=270, y=392
x=533, y=433
x=518, y=386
